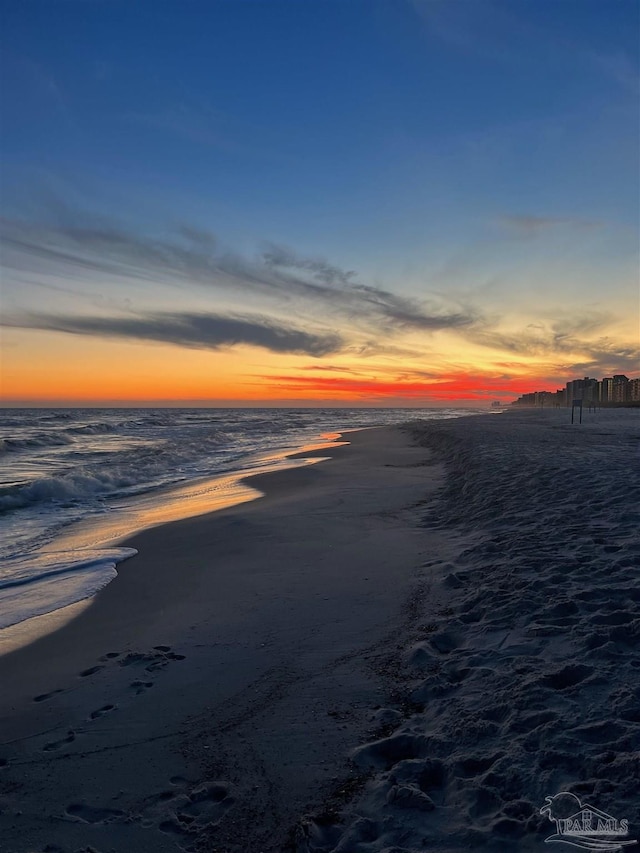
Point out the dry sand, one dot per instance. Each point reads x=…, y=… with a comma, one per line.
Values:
x=526, y=685
x=404, y=648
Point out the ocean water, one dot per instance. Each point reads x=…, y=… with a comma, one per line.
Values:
x=72, y=480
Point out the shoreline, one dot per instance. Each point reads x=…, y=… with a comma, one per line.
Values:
x=259, y=611
x=105, y=538
x=131, y=540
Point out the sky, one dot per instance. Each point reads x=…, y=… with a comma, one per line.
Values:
x=317, y=202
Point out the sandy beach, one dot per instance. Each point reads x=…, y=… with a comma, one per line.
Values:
x=213, y=691
x=405, y=647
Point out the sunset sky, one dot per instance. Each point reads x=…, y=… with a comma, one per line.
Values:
x=343, y=202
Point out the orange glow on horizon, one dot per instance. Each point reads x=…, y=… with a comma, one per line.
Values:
x=461, y=386
x=53, y=369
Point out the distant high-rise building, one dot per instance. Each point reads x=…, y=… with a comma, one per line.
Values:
x=545, y=398
x=605, y=389
x=634, y=390
x=619, y=389
x=582, y=389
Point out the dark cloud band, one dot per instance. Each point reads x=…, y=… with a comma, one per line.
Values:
x=200, y=331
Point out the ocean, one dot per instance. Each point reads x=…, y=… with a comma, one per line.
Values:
x=74, y=480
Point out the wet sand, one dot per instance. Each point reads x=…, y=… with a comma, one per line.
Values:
x=211, y=693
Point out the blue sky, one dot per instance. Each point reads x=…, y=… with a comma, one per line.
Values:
x=481, y=154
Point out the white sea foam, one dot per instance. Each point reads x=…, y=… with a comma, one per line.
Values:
x=61, y=467
x=45, y=439
x=64, y=578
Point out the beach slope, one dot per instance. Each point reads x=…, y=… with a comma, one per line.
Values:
x=212, y=693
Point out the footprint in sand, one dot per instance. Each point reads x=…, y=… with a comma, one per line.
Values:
x=179, y=781
x=110, y=656
x=44, y=696
x=132, y=658
x=101, y=711
x=156, y=664
x=197, y=808
x=161, y=660
x=91, y=671
x=157, y=659
x=58, y=744
x=173, y=827
x=141, y=686
x=163, y=796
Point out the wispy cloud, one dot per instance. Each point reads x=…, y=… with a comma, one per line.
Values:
x=620, y=68
x=199, y=331
x=333, y=310
x=506, y=31
x=604, y=358
x=327, y=368
x=487, y=30
x=278, y=257
x=567, y=345
x=457, y=24
x=79, y=245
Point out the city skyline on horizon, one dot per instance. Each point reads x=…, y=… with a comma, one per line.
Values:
x=618, y=389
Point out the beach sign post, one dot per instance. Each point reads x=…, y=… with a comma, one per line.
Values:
x=576, y=404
